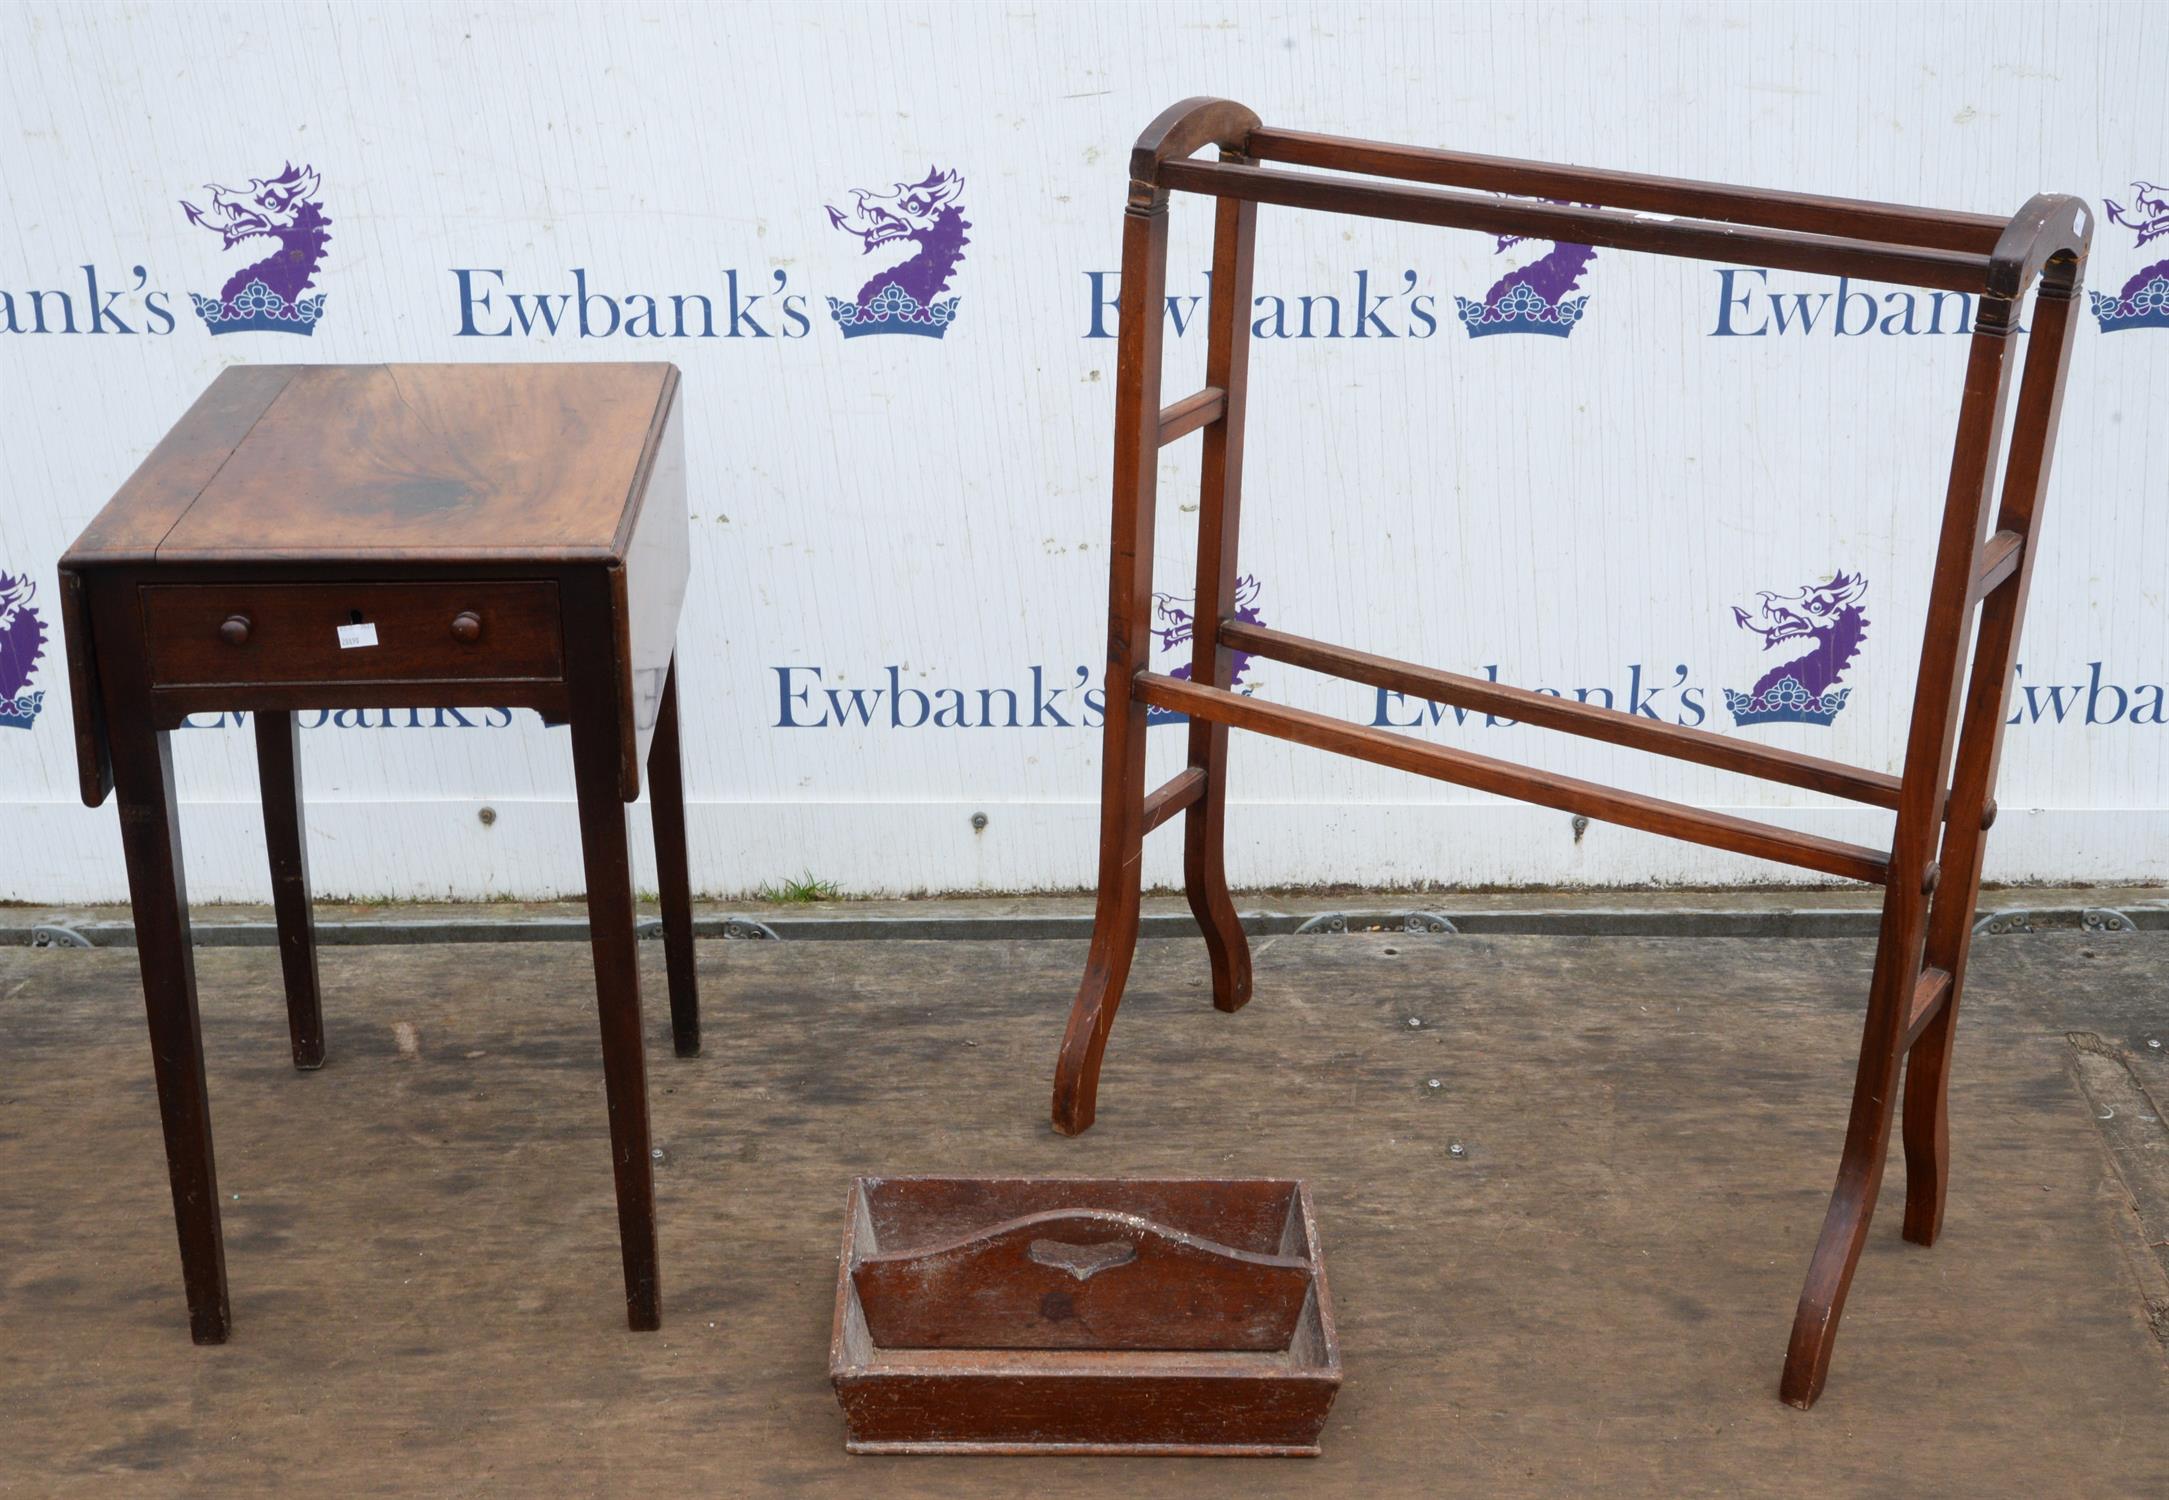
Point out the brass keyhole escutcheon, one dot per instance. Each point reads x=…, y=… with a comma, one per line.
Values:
x=467, y=627
x=235, y=630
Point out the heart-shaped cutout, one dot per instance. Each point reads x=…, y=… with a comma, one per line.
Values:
x=1082, y=1261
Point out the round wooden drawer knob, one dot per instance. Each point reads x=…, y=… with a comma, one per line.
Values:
x=235, y=632
x=467, y=627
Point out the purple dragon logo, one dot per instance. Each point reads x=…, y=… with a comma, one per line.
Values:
x=268, y=294
x=1177, y=626
x=22, y=643
x=1532, y=298
x=1803, y=689
x=2144, y=301
x=905, y=298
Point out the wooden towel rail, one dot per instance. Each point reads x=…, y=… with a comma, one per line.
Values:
x=1943, y=802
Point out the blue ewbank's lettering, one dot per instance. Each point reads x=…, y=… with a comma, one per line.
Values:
x=2052, y=701
x=856, y=700
x=742, y=312
x=541, y=314
x=37, y=309
x=947, y=707
x=923, y=707
x=490, y=309
x=1366, y=314
x=678, y=306
x=470, y=303
x=1370, y=322
x=1729, y=300
x=1803, y=310
x=1493, y=721
x=368, y=718
x=641, y=309
x=2094, y=686
x=804, y=700
x=1848, y=297
x=1427, y=714
x=101, y=307
x=1106, y=307
x=1647, y=700
x=1749, y=307
x=587, y=301
x=1180, y=310
x=1044, y=709
x=785, y=719
x=2097, y=702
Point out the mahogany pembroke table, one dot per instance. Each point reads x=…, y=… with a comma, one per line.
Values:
x=1944, y=800
x=397, y=537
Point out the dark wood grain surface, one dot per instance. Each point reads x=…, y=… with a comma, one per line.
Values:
x=470, y=461
x=167, y=482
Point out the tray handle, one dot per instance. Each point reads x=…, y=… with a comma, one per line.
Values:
x=1081, y=1261
x=1082, y=1279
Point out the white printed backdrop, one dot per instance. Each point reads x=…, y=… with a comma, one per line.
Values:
x=899, y=541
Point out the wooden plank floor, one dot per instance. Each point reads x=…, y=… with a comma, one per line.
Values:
x=1594, y=1299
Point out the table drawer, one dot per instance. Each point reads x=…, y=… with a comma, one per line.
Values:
x=292, y=632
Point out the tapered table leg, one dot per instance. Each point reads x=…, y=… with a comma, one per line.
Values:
x=607, y=854
x=666, y=806
x=151, y=840
x=278, y=770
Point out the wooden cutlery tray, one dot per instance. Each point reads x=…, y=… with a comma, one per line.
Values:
x=1015, y=1315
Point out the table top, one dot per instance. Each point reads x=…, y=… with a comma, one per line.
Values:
x=395, y=463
